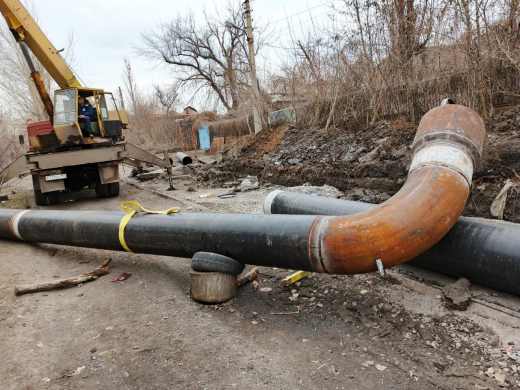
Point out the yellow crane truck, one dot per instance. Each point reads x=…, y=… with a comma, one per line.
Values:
x=62, y=156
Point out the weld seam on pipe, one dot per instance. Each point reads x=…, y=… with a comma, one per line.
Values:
x=269, y=200
x=442, y=136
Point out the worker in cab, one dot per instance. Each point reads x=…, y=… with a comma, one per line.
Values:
x=86, y=114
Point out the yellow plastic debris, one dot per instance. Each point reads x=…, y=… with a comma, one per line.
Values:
x=295, y=277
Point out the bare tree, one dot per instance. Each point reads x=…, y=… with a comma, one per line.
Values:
x=167, y=96
x=17, y=90
x=9, y=146
x=208, y=57
x=503, y=28
x=399, y=58
x=149, y=126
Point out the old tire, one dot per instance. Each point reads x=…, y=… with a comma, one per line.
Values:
x=53, y=197
x=101, y=190
x=39, y=198
x=212, y=262
x=113, y=189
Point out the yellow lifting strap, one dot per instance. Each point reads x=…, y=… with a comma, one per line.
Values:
x=132, y=208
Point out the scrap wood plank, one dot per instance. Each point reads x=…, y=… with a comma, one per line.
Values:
x=295, y=277
x=207, y=160
x=217, y=143
x=62, y=283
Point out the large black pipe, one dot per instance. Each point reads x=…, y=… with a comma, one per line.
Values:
x=284, y=202
x=481, y=250
x=266, y=240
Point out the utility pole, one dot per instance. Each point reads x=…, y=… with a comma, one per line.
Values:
x=254, y=82
x=121, y=98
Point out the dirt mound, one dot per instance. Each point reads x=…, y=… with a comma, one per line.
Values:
x=372, y=164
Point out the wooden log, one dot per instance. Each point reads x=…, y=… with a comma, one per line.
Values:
x=249, y=277
x=213, y=287
x=62, y=283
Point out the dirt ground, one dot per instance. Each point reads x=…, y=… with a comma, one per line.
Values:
x=325, y=332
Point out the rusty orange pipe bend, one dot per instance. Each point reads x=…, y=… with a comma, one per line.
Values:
x=446, y=149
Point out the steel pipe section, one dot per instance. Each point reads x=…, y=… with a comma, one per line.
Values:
x=266, y=240
x=183, y=158
x=482, y=250
x=410, y=223
x=284, y=202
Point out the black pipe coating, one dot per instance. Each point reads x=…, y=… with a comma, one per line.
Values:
x=482, y=250
x=272, y=241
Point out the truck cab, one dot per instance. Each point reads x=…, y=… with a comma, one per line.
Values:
x=107, y=125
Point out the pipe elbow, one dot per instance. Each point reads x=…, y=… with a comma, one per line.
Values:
x=446, y=150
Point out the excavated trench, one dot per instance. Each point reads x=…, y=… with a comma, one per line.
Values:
x=371, y=165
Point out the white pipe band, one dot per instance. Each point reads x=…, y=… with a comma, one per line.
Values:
x=14, y=224
x=269, y=201
x=445, y=155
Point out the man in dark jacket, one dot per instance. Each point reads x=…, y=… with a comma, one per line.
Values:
x=86, y=114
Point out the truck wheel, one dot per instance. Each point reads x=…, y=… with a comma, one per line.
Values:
x=101, y=190
x=39, y=198
x=54, y=197
x=113, y=189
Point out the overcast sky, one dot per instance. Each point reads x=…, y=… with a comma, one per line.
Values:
x=106, y=31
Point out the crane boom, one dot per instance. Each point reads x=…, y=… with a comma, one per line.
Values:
x=26, y=30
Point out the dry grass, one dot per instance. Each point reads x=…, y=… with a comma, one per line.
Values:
x=231, y=126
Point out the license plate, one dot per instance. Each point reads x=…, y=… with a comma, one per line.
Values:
x=56, y=177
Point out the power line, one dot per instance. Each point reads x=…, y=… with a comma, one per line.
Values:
x=291, y=16
x=299, y=24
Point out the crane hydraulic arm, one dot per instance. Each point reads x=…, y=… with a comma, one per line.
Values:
x=30, y=37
